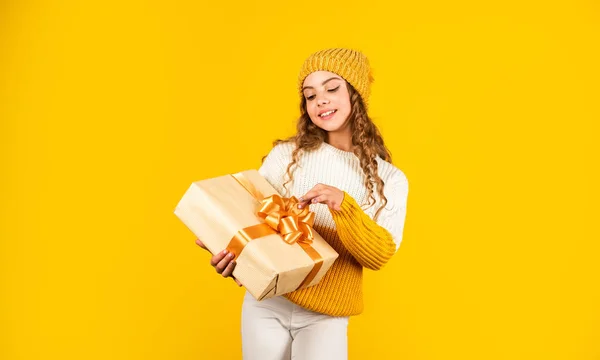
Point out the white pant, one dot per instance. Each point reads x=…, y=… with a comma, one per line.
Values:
x=277, y=329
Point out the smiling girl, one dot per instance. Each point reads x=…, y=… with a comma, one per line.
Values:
x=338, y=165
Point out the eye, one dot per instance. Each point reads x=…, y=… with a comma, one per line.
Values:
x=334, y=89
x=310, y=97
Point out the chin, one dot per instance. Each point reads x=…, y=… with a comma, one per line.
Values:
x=328, y=125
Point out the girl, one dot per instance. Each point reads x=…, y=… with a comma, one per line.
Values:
x=335, y=163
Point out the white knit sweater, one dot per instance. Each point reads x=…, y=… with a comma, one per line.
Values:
x=331, y=166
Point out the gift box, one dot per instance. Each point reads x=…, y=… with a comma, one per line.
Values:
x=276, y=249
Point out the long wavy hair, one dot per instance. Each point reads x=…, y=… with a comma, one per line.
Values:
x=366, y=139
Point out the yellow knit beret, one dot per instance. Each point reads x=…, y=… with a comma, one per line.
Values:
x=350, y=64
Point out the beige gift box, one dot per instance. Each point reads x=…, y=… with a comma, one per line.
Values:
x=220, y=209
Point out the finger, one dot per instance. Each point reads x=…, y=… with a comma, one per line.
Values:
x=307, y=198
x=201, y=244
x=228, y=269
x=214, y=261
x=311, y=193
x=303, y=204
x=319, y=199
x=224, y=263
x=237, y=282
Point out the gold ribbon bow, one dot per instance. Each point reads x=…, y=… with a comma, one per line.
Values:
x=283, y=215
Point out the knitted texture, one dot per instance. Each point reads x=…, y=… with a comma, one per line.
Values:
x=353, y=66
x=359, y=240
x=376, y=245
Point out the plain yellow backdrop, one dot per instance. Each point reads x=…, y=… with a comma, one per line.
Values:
x=110, y=109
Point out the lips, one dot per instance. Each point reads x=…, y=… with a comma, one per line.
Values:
x=325, y=114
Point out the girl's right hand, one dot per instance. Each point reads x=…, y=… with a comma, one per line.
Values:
x=222, y=262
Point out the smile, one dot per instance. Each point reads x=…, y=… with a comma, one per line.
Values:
x=325, y=114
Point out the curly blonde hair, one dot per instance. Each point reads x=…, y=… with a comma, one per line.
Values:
x=366, y=139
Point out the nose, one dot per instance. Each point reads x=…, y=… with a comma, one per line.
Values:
x=322, y=101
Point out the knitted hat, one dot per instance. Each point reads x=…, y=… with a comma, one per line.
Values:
x=351, y=65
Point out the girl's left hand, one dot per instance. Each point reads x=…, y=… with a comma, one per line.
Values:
x=323, y=194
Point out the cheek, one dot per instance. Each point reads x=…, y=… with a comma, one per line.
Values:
x=345, y=105
x=312, y=110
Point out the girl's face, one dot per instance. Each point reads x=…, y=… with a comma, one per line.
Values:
x=327, y=100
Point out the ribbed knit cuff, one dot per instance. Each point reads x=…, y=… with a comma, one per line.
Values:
x=367, y=241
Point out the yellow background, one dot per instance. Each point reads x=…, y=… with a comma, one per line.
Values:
x=109, y=109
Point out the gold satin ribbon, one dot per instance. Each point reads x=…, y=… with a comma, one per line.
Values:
x=244, y=236
x=281, y=215
x=246, y=184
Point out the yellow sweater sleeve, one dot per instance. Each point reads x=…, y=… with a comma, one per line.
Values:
x=370, y=244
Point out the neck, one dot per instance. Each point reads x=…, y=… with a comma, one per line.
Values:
x=341, y=141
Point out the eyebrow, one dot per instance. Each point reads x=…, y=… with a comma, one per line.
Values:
x=323, y=83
